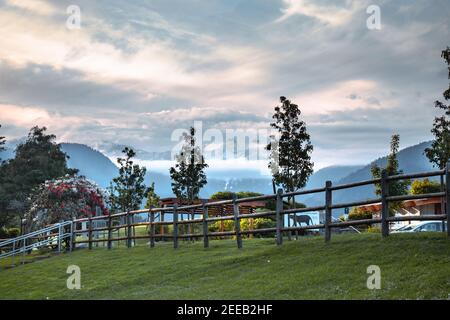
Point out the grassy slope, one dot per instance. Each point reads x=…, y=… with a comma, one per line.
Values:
x=412, y=265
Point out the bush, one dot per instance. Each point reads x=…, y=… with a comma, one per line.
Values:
x=425, y=186
x=371, y=229
x=13, y=232
x=263, y=223
x=359, y=214
x=228, y=225
x=9, y=233
x=3, y=233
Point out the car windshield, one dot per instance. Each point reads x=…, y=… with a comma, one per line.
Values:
x=405, y=228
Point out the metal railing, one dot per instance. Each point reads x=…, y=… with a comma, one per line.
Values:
x=53, y=235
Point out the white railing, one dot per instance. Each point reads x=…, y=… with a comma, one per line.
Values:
x=49, y=236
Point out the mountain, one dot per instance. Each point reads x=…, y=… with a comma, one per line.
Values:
x=96, y=166
x=332, y=173
x=411, y=159
x=90, y=163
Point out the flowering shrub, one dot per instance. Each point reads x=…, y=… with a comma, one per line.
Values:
x=65, y=199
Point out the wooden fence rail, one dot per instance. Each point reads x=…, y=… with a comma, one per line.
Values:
x=279, y=215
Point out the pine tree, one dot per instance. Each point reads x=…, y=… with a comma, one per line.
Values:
x=2, y=143
x=188, y=175
x=152, y=197
x=128, y=190
x=290, y=155
x=398, y=187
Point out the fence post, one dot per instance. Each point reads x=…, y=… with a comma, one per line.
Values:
x=72, y=235
x=59, y=237
x=97, y=213
x=384, y=204
x=328, y=210
x=128, y=229
x=175, y=226
x=152, y=228
x=109, y=232
x=205, y=226
x=237, y=222
x=447, y=195
x=90, y=232
x=279, y=216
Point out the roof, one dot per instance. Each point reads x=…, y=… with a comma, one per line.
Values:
x=376, y=207
x=215, y=210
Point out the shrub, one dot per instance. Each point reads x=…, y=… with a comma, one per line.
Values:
x=359, y=214
x=9, y=233
x=371, y=229
x=65, y=199
x=13, y=232
x=263, y=223
x=3, y=233
x=425, y=186
x=228, y=225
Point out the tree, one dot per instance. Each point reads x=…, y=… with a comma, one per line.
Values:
x=128, y=190
x=424, y=186
x=439, y=152
x=396, y=188
x=36, y=160
x=2, y=143
x=290, y=156
x=290, y=160
x=188, y=176
x=152, y=197
x=65, y=199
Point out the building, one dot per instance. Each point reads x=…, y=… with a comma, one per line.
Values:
x=419, y=207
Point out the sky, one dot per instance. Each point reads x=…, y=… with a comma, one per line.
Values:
x=136, y=71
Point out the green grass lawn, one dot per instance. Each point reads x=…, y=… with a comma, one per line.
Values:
x=413, y=266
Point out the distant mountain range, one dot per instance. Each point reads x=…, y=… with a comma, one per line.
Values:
x=411, y=159
x=98, y=167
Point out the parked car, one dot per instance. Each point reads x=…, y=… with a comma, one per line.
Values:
x=433, y=226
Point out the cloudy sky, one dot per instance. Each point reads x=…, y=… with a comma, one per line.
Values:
x=137, y=70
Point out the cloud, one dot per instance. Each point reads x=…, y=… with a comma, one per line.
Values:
x=341, y=96
x=142, y=66
x=34, y=6
x=328, y=14
x=138, y=70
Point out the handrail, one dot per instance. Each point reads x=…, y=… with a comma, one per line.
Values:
x=42, y=237
x=34, y=233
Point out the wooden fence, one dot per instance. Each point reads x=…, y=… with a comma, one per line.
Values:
x=279, y=214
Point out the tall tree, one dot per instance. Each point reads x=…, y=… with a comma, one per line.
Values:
x=36, y=160
x=290, y=156
x=152, y=197
x=188, y=175
x=439, y=152
x=128, y=190
x=2, y=143
x=396, y=188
